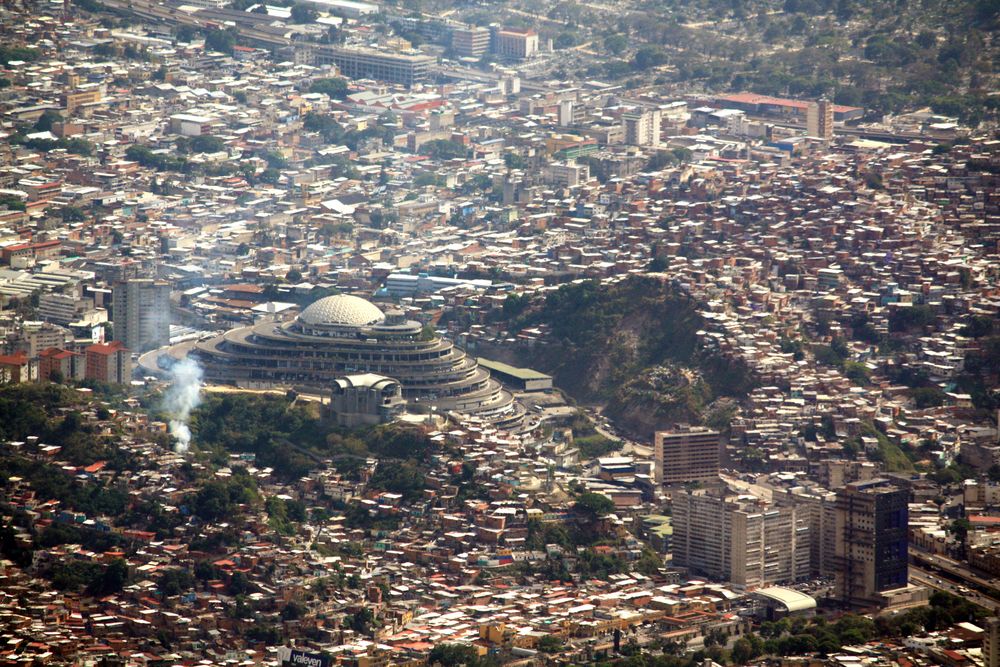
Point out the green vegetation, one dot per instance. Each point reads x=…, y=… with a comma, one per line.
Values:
x=159, y=160
x=399, y=477
x=292, y=438
x=798, y=636
x=220, y=498
x=928, y=397
x=303, y=14
x=335, y=88
x=454, y=655
x=892, y=457
x=882, y=55
x=283, y=515
x=334, y=133
x=47, y=120
x=593, y=505
x=175, y=581
x=668, y=159
x=11, y=203
x=444, y=149
x=981, y=366
x=263, y=425
x=35, y=409
x=206, y=143
x=76, y=145
x=633, y=345
x=979, y=326
x=10, y=53
x=857, y=373
x=908, y=319
x=222, y=41
x=586, y=438
x=550, y=644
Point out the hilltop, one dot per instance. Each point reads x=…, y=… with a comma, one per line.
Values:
x=632, y=346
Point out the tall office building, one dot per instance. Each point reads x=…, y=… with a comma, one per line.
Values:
x=817, y=507
x=642, y=128
x=566, y=111
x=363, y=63
x=991, y=642
x=141, y=313
x=739, y=538
x=471, y=42
x=513, y=43
x=687, y=454
x=819, y=120
x=870, y=535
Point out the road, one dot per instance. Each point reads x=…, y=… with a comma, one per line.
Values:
x=931, y=581
x=876, y=135
x=946, y=572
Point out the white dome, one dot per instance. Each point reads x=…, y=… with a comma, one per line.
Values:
x=341, y=310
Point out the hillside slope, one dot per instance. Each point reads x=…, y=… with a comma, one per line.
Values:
x=633, y=347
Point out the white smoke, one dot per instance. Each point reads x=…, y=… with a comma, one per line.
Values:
x=183, y=396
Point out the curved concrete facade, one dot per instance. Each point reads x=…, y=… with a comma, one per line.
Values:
x=311, y=351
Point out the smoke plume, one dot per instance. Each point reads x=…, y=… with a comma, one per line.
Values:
x=183, y=396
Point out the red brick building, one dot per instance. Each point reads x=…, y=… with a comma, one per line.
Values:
x=109, y=362
x=15, y=368
x=68, y=365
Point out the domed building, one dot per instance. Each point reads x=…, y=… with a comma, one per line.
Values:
x=341, y=335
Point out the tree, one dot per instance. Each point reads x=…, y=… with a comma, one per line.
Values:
x=361, y=621
x=303, y=14
x=334, y=36
x=742, y=651
x=222, y=41
x=960, y=529
x=444, y=149
x=47, y=120
x=615, y=43
x=176, y=581
x=79, y=146
x=9, y=53
x=112, y=580
x=206, y=143
x=905, y=318
x=593, y=505
x=649, y=563
x=293, y=276
x=565, y=40
x=926, y=39
x=453, y=655
x=292, y=611
x=186, y=33
x=857, y=373
x=11, y=203
x=550, y=644
x=335, y=88
x=647, y=57
x=72, y=214
x=978, y=326
x=928, y=397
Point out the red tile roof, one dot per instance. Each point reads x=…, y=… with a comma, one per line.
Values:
x=754, y=98
x=19, y=359
x=107, y=348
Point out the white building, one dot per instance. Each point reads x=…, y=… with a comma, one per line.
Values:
x=566, y=174
x=642, y=128
x=741, y=539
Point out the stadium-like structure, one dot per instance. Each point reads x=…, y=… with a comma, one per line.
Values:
x=342, y=334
